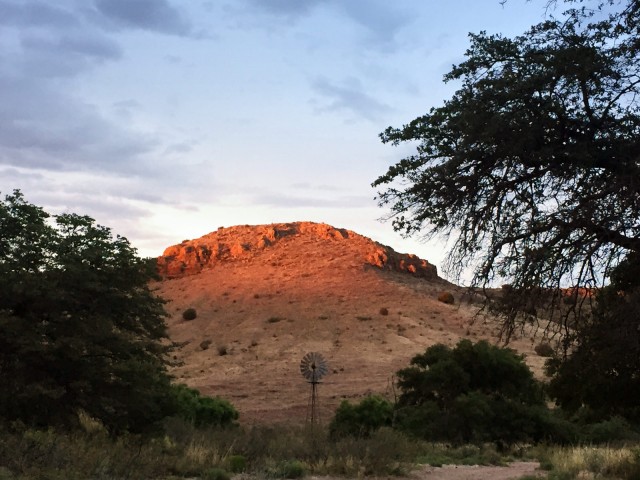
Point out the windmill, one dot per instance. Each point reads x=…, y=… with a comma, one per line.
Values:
x=313, y=367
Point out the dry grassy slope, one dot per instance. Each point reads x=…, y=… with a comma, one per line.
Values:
x=303, y=293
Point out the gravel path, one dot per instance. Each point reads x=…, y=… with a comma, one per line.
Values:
x=513, y=471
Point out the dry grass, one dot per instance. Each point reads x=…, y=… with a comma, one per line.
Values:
x=265, y=451
x=589, y=462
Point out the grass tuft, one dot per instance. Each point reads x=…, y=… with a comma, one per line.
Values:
x=602, y=462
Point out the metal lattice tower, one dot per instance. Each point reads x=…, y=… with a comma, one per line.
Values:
x=313, y=367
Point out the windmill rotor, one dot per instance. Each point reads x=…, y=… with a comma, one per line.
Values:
x=313, y=367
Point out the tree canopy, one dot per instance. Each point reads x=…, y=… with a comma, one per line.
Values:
x=472, y=393
x=532, y=168
x=80, y=328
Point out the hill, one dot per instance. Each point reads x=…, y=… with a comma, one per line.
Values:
x=265, y=295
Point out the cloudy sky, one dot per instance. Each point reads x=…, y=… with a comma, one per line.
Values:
x=165, y=119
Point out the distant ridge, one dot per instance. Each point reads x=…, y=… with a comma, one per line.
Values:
x=246, y=241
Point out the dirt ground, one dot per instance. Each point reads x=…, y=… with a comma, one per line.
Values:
x=513, y=471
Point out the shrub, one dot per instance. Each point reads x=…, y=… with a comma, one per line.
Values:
x=473, y=393
x=189, y=314
x=446, y=297
x=384, y=311
x=291, y=469
x=222, y=350
x=201, y=410
x=363, y=419
x=216, y=474
x=273, y=319
x=204, y=345
x=237, y=463
x=544, y=349
x=616, y=429
x=385, y=452
x=438, y=455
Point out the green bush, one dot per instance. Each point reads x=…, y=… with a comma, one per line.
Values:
x=189, y=314
x=291, y=469
x=216, y=474
x=201, y=410
x=615, y=429
x=473, y=393
x=237, y=463
x=362, y=419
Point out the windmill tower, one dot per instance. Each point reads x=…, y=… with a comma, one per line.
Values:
x=313, y=367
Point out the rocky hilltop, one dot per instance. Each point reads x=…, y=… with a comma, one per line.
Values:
x=246, y=241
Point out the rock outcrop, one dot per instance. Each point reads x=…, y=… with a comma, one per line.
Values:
x=246, y=242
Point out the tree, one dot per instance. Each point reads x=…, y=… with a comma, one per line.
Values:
x=532, y=168
x=80, y=328
x=472, y=393
x=607, y=354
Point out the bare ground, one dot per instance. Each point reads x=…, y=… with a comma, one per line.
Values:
x=513, y=471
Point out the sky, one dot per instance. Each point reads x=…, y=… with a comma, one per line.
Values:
x=166, y=119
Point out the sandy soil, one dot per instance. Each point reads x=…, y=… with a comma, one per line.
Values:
x=513, y=471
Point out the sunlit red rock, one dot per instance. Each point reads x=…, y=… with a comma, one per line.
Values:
x=244, y=242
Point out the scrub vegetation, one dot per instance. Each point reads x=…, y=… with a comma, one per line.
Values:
x=531, y=168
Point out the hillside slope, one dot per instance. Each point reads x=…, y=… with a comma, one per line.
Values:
x=266, y=295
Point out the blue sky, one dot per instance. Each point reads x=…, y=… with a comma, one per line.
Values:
x=165, y=119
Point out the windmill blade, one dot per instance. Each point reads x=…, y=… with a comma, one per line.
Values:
x=313, y=367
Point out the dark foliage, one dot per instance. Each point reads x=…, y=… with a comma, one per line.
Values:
x=473, y=393
x=79, y=327
x=600, y=378
x=202, y=411
x=533, y=163
x=189, y=314
x=544, y=349
x=362, y=419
